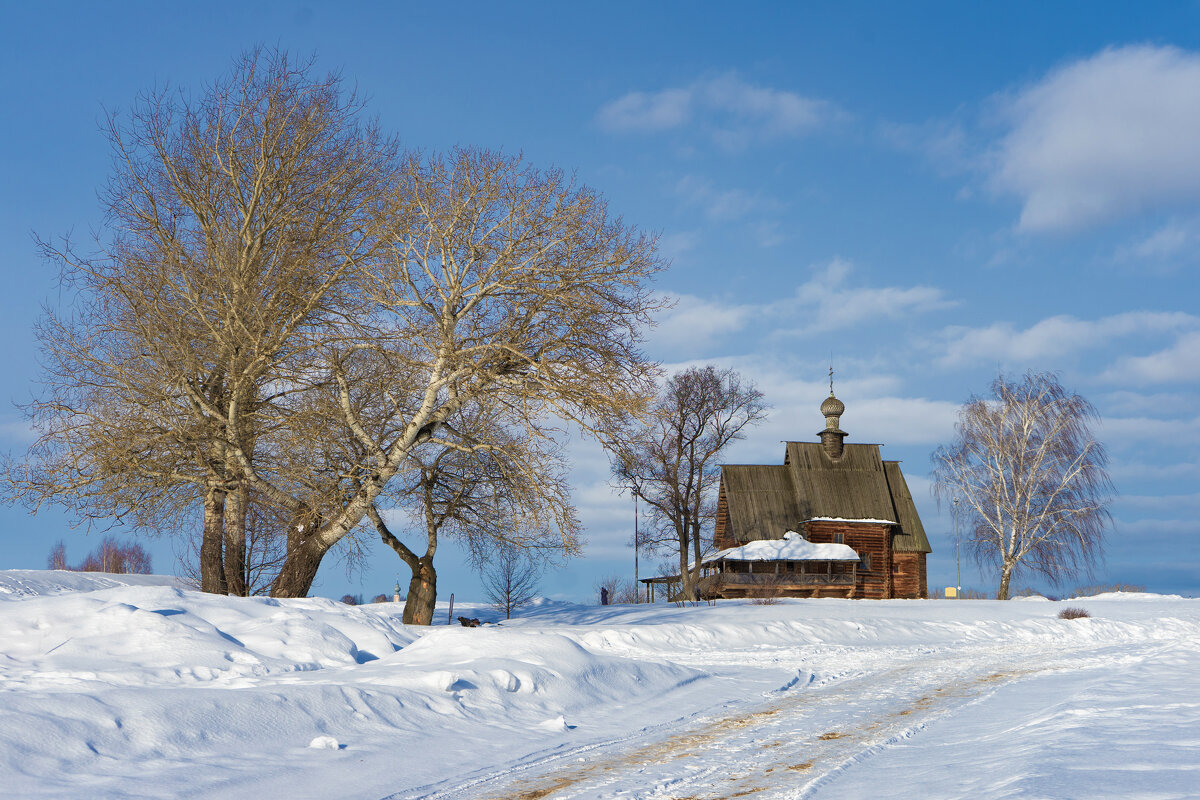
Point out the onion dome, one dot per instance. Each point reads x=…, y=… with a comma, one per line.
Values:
x=832, y=407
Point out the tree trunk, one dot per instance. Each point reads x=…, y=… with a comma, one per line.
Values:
x=422, y=587
x=422, y=593
x=686, y=586
x=299, y=569
x=696, y=570
x=235, y=541
x=1005, y=577
x=212, y=570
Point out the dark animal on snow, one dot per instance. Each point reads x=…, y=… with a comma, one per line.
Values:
x=468, y=622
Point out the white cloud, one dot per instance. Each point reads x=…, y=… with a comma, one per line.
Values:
x=905, y=420
x=694, y=323
x=1135, y=432
x=21, y=433
x=735, y=205
x=1136, y=401
x=1120, y=469
x=767, y=233
x=722, y=205
x=1054, y=337
x=731, y=111
x=876, y=409
x=1178, y=363
x=943, y=143
x=1177, y=238
x=643, y=111
x=1163, y=502
x=832, y=304
x=1174, y=535
x=1102, y=138
x=673, y=246
x=825, y=302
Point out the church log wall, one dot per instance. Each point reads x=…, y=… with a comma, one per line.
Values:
x=908, y=575
x=866, y=539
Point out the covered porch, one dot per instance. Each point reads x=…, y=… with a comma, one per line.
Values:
x=787, y=567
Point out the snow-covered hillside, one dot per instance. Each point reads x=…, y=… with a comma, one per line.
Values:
x=122, y=687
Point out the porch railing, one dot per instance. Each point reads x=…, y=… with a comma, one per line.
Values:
x=782, y=579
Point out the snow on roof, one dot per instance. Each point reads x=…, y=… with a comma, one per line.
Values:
x=843, y=519
x=792, y=547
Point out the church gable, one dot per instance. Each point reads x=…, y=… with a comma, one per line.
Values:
x=851, y=487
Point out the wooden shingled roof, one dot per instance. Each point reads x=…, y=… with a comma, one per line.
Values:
x=766, y=501
x=763, y=502
x=852, y=487
x=911, y=538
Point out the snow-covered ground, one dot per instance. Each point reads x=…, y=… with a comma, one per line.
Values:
x=122, y=687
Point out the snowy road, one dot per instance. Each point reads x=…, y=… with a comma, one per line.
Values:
x=802, y=740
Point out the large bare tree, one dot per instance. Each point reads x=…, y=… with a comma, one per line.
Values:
x=503, y=286
x=238, y=221
x=670, y=458
x=1029, y=479
x=282, y=308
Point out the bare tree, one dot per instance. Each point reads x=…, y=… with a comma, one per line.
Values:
x=283, y=308
x=504, y=287
x=263, y=550
x=58, y=557
x=109, y=556
x=499, y=489
x=510, y=579
x=1029, y=478
x=237, y=223
x=671, y=460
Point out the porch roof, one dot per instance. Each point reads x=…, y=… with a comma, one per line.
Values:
x=792, y=547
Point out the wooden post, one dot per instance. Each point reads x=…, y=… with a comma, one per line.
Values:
x=450, y=614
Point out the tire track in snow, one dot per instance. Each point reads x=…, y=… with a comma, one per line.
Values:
x=787, y=747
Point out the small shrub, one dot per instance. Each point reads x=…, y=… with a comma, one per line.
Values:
x=767, y=592
x=352, y=599
x=1073, y=613
x=380, y=598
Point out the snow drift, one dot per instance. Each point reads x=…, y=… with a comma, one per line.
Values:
x=134, y=686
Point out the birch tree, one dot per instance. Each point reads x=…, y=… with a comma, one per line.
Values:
x=1030, y=479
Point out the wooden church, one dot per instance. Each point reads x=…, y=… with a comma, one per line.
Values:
x=834, y=520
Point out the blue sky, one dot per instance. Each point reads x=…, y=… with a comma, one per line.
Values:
x=927, y=193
